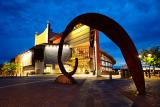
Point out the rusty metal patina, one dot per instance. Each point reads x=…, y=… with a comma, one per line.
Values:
x=118, y=35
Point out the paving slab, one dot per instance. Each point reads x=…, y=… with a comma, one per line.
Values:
x=90, y=92
x=96, y=93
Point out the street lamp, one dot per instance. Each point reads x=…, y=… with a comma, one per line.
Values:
x=149, y=55
x=140, y=56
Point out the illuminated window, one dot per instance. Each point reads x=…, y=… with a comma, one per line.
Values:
x=81, y=52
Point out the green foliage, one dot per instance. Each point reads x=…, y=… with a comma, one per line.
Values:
x=9, y=68
x=151, y=56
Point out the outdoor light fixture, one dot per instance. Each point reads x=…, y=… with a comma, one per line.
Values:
x=140, y=56
x=149, y=55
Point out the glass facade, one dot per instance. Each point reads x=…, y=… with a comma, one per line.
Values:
x=81, y=43
x=80, y=52
x=106, y=64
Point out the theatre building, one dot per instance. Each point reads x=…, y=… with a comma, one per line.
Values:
x=81, y=43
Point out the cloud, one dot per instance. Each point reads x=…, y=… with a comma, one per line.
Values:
x=12, y=7
x=20, y=19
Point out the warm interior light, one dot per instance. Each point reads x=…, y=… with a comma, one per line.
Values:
x=27, y=58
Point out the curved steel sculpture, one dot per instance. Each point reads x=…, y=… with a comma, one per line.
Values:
x=118, y=35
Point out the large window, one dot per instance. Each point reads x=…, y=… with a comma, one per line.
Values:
x=106, y=65
x=80, y=52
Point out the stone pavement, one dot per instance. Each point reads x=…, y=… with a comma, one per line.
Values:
x=96, y=93
x=90, y=92
x=128, y=89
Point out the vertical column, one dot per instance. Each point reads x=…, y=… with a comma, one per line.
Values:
x=97, y=54
x=39, y=67
x=92, y=51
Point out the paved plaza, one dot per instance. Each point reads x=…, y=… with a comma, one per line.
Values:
x=42, y=91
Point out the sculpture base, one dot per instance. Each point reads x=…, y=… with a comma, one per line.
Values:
x=62, y=79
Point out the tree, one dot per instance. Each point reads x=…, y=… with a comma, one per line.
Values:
x=151, y=56
x=9, y=68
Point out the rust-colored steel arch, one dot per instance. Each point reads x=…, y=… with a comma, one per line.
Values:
x=118, y=35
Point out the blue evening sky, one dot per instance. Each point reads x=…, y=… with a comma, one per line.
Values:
x=20, y=19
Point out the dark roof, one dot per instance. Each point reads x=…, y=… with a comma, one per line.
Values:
x=109, y=56
x=52, y=35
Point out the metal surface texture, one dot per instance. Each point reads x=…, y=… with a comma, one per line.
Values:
x=118, y=35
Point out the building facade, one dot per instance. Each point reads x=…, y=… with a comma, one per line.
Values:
x=81, y=43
